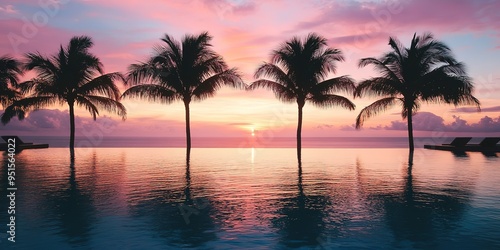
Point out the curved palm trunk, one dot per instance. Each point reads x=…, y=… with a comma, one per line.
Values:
x=299, y=133
x=72, y=130
x=410, y=137
x=188, y=132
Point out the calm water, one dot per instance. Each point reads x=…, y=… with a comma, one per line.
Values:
x=263, y=141
x=244, y=198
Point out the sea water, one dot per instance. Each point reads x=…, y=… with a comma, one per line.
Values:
x=252, y=198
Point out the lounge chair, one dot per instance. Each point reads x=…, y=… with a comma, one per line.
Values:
x=459, y=141
x=489, y=142
x=19, y=144
x=459, y=144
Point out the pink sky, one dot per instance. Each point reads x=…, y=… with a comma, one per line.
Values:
x=244, y=33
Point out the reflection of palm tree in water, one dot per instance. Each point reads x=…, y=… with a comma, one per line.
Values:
x=441, y=209
x=413, y=213
x=187, y=188
x=176, y=215
x=301, y=218
x=74, y=209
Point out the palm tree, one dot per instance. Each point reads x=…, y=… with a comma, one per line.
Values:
x=186, y=71
x=72, y=76
x=425, y=72
x=10, y=71
x=297, y=73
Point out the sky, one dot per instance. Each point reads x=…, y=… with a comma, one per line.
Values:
x=244, y=34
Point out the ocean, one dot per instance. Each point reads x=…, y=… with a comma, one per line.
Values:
x=340, y=197
x=100, y=141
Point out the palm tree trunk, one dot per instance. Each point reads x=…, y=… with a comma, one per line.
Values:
x=188, y=132
x=299, y=133
x=72, y=131
x=410, y=137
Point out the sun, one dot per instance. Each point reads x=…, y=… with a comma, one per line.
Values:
x=253, y=132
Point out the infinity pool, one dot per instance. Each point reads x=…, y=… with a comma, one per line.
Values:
x=252, y=198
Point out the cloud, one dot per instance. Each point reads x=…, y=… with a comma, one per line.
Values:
x=351, y=127
x=41, y=120
x=225, y=7
x=368, y=20
x=359, y=39
x=426, y=121
x=9, y=9
x=54, y=122
x=325, y=126
x=485, y=124
x=474, y=110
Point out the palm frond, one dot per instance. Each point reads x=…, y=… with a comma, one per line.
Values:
x=103, y=85
x=274, y=72
x=7, y=96
x=440, y=86
x=11, y=112
x=10, y=70
x=326, y=101
x=173, y=48
x=375, y=108
x=45, y=67
x=378, y=86
x=27, y=86
x=203, y=69
x=107, y=104
x=209, y=87
x=343, y=84
x=78, y=56
x=452, y=90
x=140, y=73
x=88, y=105
x=79, y=44
x=397, y=47
x=43, y=87
x=35, y=102
x=283, y=93
x=151, y=92
x=384, y=69
x=324, y=62
x=22, y=106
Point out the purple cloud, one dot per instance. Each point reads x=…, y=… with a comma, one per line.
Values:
x=426, y=121
x=41, y=120
x=474, y=110
x=55, y=122
x=368, y=20
x=325, y=126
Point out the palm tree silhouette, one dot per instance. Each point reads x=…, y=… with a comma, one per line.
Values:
x=70, y=76
x=10, y=70
x=297, y=73
x=186, y=71
x=425, y=72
